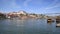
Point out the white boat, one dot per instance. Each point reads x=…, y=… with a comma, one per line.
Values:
x=9, y=17
x=58, y=24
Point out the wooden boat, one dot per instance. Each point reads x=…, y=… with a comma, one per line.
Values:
x=57, y=20
x=49, y=20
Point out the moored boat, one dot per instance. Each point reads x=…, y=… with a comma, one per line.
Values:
x=58, y=25
x=50, y=20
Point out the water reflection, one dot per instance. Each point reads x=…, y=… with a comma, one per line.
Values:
x=30, y=26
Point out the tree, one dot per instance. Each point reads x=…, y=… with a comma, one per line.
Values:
x=2, y=16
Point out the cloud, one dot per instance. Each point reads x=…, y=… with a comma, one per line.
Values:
x=26, y=2
x=13, y=4
x=9, y=5
x=53, y=5
x=54, y=2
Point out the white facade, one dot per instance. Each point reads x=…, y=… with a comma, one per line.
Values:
x=21, y=12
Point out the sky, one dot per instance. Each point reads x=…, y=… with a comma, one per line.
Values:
x=30, y=6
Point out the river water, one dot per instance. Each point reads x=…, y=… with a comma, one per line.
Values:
x=30, y=26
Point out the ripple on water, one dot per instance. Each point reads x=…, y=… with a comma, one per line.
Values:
x=31, y=26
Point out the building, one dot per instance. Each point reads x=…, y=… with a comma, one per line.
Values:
x=21, y=12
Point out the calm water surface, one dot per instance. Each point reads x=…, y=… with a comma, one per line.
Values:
x=31, y=26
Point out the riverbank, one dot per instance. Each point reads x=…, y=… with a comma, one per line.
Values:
x=25, y=15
